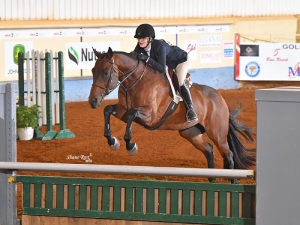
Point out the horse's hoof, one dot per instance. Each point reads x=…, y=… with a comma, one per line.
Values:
x=116, y=145
x=234, y=181
x=212, y=180
x=134, y=150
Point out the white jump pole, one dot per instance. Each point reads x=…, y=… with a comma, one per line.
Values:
x=136, y=170
x=28, y=79
x=57, y=108
x=39, y=85
x=43, y=78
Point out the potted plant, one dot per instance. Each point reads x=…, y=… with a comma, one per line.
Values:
x=27, y=120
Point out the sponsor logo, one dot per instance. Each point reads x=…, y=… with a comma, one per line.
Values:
x=34, y=34
x=291, y=46
x=252, y=69
x=210, y=40
x=276, y=59
x=82, y=55
x=58, y=33
x=73, y=55
x=16, y=50
x=294, y=72
x=191, y=47
x=249, y=50
x=276, y=51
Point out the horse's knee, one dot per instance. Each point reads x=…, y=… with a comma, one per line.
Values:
x=131, y=114
x=108, y=110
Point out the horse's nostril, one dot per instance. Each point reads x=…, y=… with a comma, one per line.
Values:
x=95, y=101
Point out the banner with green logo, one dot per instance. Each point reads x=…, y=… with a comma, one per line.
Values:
x=16, y=50
x=12, y=50
x=80, y=55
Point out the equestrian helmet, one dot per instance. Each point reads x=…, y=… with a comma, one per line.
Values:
x=144, y=30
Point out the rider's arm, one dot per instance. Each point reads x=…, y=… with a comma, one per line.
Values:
x=161, y=55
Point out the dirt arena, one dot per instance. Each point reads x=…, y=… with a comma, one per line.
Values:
x=156, y=148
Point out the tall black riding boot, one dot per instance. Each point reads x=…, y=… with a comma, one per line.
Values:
x=191, y=116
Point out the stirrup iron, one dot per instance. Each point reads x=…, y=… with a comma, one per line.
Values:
x=191, y=116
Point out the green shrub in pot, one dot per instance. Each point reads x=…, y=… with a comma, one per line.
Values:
x=27, y=116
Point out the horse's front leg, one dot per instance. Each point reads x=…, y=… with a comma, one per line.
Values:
x=130, y=146
x=112, y=141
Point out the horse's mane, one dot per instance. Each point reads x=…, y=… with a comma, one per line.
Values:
x=130, y=55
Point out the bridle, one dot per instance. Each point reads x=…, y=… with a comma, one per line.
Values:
x=106, y=89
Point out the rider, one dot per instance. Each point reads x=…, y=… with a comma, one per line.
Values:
x=158, y=54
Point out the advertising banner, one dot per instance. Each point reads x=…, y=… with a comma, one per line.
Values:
x=12, y=50
x=210, y=56
x=228, y=49
x=269, y=61
x=80, y=55
x=114, y=31
x=190, y=46
x=212, y=40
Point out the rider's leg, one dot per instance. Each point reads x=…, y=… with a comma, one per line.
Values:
x=181, y=71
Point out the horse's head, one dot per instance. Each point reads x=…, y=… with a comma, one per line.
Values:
x=105, y=77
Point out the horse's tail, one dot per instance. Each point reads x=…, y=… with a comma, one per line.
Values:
x=243, y=157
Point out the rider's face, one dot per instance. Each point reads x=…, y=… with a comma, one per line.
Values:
x=143, y=42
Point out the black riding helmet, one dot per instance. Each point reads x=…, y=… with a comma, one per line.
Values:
x=144, y=30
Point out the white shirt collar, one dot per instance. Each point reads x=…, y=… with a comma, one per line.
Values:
x=148, y=51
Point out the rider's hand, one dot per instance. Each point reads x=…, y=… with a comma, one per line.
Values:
x=142, y=57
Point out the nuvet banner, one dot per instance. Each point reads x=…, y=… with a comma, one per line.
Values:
x=80, y=55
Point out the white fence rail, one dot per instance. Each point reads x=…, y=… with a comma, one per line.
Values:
x=134, y=170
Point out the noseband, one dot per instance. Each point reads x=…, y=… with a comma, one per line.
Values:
x=106, y=89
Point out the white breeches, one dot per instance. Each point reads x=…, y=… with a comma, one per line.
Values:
x=181, y=71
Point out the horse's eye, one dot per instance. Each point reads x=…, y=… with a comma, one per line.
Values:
x=105, y=73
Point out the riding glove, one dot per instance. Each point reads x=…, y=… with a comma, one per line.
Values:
x=142, y=57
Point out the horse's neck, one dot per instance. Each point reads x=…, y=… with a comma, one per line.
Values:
x=127, y=65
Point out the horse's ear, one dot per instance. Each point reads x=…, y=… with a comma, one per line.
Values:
x=109, y=53
x=98, y=54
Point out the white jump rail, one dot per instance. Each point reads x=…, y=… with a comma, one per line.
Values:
x=120, y=169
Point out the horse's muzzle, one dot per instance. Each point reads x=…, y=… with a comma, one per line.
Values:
x=95, y=102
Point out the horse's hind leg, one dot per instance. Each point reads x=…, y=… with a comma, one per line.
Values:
x=220, y=140
x=194, y=136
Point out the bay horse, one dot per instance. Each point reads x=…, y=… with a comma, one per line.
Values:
x=144, y=96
